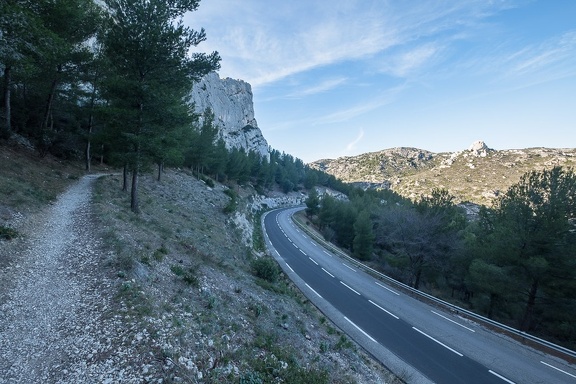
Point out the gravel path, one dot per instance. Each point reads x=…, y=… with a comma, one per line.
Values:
x=56, y=323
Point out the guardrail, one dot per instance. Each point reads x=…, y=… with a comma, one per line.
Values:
x=559, y=350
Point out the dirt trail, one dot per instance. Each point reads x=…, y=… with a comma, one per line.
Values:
x=54, y=318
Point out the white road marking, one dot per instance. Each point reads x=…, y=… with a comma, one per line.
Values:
x=312, y=289
x=312, y=260
x=331, y=275
x=289, y=267
x=394, y=292
x=294, y=244
x=444, y=317
x=327, y=253
x=350, y=288
x=349, y=267
x=439, y=342
x=277, y=252
x=313, y=243
x=390, y=313
x=360, y=329
x=500, y=376
x=558, y=369
x=304, y=253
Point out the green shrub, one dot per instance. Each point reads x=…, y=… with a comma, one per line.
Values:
x=160, y=253
x=209, y=182
x=187, y=275
x=233, y=203
x=251, y=378
x=7, y=233
x=266, y=268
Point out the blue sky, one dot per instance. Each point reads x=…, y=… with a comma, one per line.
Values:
x=338, y=78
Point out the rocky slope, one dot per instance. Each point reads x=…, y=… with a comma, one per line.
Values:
x=478, y=174
x=90, y=292
x=231, y=103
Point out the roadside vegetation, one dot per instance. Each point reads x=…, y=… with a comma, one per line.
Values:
x=514, y=263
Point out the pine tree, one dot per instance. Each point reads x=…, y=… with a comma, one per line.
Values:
x=363, y=236
x=148, y=47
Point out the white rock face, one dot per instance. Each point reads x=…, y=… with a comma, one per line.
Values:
x=479, y=149
x=231, y=102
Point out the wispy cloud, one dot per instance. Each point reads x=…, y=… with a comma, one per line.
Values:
x=409, y=61
x=516, y=66
x=361, y=108
x=324, y=86
x=352, y=145
x=548, y=55
x=263, y=44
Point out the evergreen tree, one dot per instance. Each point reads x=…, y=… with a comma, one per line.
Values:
x=312, y=203
x=532, y=239
x=148, y=46
x=363, y=236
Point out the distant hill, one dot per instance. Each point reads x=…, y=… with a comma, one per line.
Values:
x=478, y=174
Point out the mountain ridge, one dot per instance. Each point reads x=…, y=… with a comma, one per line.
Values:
x=478, y=174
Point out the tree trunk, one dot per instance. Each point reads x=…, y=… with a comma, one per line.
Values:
x=527, y=318
x=493, y=297
x=43, y=144
x=7, y=108
x=88, y=156
x=134, y=205
x=90, y=128
x=125, y=178
x=417, y=278
x=160, y=169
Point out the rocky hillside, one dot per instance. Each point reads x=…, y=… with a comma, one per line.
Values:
x=231, y=102
x=182, y=301
x=478, y=174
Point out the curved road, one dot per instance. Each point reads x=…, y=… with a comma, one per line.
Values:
x=418, y=342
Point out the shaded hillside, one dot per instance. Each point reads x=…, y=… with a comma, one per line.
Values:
x=478, y=174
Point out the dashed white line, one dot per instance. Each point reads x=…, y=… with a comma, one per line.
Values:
x=312, y=260
x=304, y=253
x=277, y=252
x=558, y=369
x=500, y=376
x=452, y=321
x=327, y=253
x=349, y=267
x=313, y=243
x=439, y=342
x=388, y=289
x=388, y=312
x=312, y=289
x=360, y=329
x=331, y=275
x=289, y=267
x=350, y=288
x=295, y=245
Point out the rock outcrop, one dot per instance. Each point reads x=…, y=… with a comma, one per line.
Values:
x=479, y=149
x=231, y=103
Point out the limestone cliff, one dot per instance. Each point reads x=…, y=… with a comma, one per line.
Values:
x=231, y=102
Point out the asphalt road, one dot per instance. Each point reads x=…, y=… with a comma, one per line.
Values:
x=418, y=342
